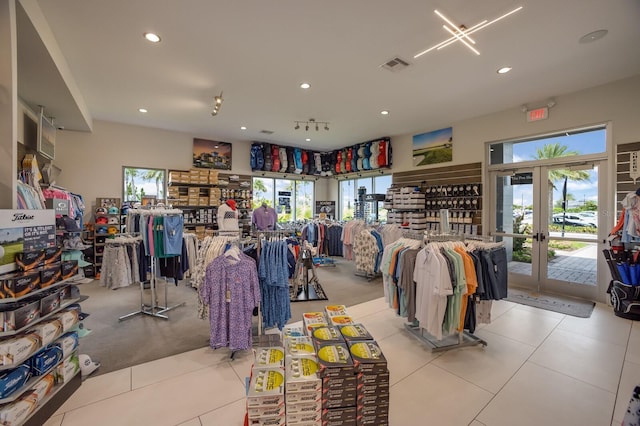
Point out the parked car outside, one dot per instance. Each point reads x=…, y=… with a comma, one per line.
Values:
x=574, y=219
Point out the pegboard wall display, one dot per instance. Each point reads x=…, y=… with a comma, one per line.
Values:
x=627, y=171
x=455, y=188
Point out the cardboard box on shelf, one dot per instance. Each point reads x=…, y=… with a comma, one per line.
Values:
x=335, y=310
x=69, y=269
x=326, y=334
x=272, y=356
x=29, y=260
x=302, y=374
x=67, y=369
x=50, y=275
x=18, y=284
x=367, y=357
x=300, y=399
x=15, y=350
x=266, y=387
x=48, y=331
x=21, y=314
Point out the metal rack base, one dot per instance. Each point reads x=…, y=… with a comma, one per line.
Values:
x=453, y=341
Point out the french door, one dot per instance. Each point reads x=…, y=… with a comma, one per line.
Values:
x=548, y=217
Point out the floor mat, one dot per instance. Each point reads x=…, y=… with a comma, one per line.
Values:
x=563, y=305
x=316, y=292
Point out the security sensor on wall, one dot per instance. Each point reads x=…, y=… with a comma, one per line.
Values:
x=551, y=103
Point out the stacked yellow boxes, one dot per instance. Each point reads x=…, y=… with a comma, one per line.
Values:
x=213, y=177
x=265, y=397
x=303, y=389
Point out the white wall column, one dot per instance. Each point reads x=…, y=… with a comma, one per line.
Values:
x=8, y=104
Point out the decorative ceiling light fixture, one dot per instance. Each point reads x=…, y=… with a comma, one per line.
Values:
x=217, y=104
x=461, y=33
x=312, y=123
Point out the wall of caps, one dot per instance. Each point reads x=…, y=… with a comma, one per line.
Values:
x=372, y=155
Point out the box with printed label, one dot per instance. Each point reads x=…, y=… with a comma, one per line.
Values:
x=338, y=414
x=52, y=255
x=269, y=357
x=326, y=334
x=303, y=407
x=69, y=269
x=67, y=343
x=50, y=275
x=339, y=382
x=373, y=379
x=372, y=410
x=313, y=320
x=18, y=348
x=48, y=331
x=49, y=303
x=340, y=422
x=296, y=419
x=367, y=357
x=29, y=260
x=373, y=389
x=21, y=315
x=295, y=346
x=17, y=412
x=266, y=387
x=18, y=284
x=352, y=332
x=67, y=369
x=45, y=360
x=334, y=360
x=268, y=421
x=347, y=401
x=372, y=399
x=336, y=310
x=341, y=320
x=266, y=411
x=339, y=393
x=304, y=398
x=69, y=317
x=14, y=379
x=302, y=374
x=373, y=420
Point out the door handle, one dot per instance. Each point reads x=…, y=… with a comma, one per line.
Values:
x=535, y=236
x=542, y=237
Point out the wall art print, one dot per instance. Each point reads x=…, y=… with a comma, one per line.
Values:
x=208, y=154
x=433, y=147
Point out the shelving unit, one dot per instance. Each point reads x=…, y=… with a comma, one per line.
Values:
x=199, y=192
x=100, y=231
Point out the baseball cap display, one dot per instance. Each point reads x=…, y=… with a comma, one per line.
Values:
x=101, y=210
x=112, y=230
x=68, y=224
x=113, y=221
x=102, y=220
x=114, y=210
x=87, y=366
x=102, y=230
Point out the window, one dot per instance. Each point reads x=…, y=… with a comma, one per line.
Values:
x=143, y=185
x=292, y=199
x=349, y=194
x=575, y=142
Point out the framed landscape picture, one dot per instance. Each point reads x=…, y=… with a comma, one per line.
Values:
x=433, y=147
x=209, y=154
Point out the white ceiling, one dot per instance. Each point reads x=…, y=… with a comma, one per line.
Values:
x=259, y=51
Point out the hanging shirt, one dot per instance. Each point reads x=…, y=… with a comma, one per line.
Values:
x=173, y=235
x=264, y=218
x=231, y=290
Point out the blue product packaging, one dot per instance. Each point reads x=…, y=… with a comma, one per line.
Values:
x=45, y=360
x=14, y=379
x=67, y=343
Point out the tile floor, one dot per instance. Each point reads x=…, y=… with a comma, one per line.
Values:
x=539, y=368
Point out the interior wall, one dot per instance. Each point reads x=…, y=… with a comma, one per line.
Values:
x=617, y=102
x=92, y=163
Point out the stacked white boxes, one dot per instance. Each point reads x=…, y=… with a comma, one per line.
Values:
x=265, y=396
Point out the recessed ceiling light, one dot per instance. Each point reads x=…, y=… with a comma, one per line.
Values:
x=385, y=112
x=593, y=36
x=243, y=127
x=305, y=85
x=308, y=139
x=504, y=70
x=153, y=38
x=143, y=110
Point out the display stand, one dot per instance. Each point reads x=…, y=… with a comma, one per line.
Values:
x=306, y=292
x=459, y=340
x=153, y=309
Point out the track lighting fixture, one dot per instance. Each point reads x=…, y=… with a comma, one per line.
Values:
x=312, y=123
x=217, y=104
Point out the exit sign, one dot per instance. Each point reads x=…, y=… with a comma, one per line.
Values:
x=538, y=114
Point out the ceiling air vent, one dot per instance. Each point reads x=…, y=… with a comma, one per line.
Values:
x=267, y=132
x=395, y=64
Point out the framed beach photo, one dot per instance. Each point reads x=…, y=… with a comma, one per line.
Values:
x=208, y=154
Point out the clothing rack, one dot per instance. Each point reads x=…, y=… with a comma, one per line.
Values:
x=457, y=340
x=153, y=309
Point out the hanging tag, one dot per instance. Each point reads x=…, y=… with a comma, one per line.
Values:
x=227, y=296
x=634, y=171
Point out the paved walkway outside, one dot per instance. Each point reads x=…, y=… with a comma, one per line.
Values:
x=575, y=266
